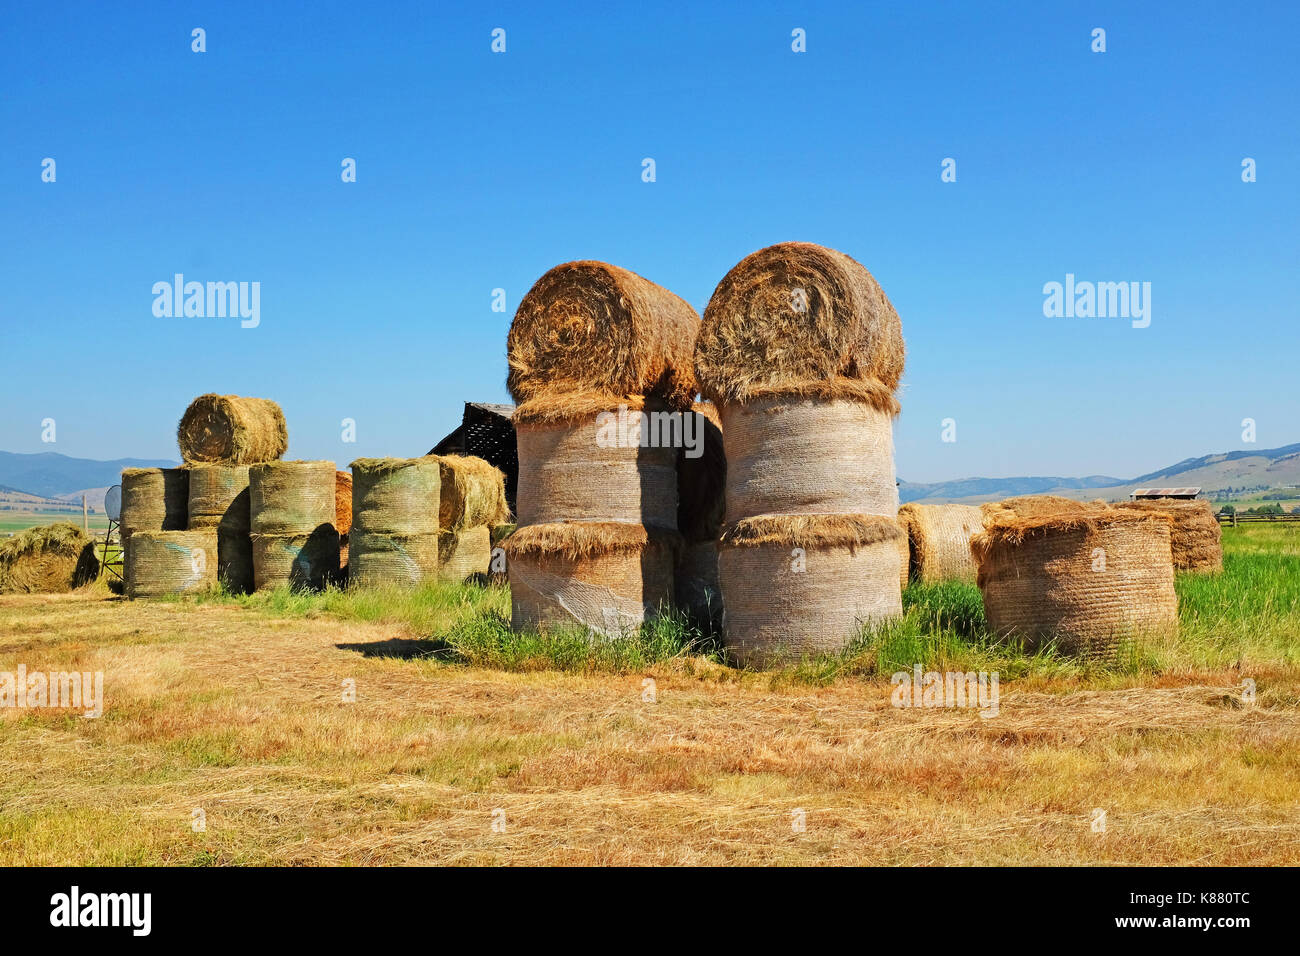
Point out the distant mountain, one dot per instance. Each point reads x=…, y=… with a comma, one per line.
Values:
x=1266, y=468
x=49, y=474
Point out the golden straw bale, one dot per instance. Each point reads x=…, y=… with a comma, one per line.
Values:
x=232, y=430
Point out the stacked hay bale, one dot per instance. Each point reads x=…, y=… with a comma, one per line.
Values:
x=1091, y=577
x=938, y=540
x=232, y=430
x=1196, y=537
x=802, y=352
x=219, y=500
x=394, y=536
x=47, y=559
x=154, y=499
x=596, y=354
x=472, y=501
x=292, y=518
x=159, y=563
x=701, y=502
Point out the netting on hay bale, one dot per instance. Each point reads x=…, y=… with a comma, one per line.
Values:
x=160, y=563
x=232, y=430
x=292, y=515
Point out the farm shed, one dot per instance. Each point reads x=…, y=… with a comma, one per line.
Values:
x=1150, y=494
x=487, y=432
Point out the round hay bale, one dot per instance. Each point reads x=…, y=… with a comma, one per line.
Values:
x=307, y=561
x=696, y=590
x=171, y=562
x=396, y=495
x=593, y=326
x=806, y=584
x=805, y=456
x=376, y=559
x=702, y=479
x=232, y=430
x=1196, y=538
x=291, y=497
x=1031, y=506
x=219, y=497
x=904, y=543
x=473, y=493
x=235, y=560
x=47, y=559
x=343, y=513
x=154, y=499
x=463, y=554
x=607, y=577
x=595, y=469
x=939, y=540
x=1090, y=578
x=799, y=316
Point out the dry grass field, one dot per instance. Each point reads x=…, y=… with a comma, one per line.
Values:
x=236, y=707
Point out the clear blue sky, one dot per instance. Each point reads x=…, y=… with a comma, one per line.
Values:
x=478, y=170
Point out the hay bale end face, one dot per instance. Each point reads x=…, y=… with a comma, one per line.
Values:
x=939, y=540
x=1196, y=538
x=796, y=585
x=47, y=559
x=799, y=316
x=1092, y=578
x=232, y=430
x=159, y=563
x=591, y=326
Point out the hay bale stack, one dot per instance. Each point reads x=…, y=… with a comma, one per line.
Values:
x=591, y=466
x=154, y=499
x=593, y=327
x=1091, y=577
x=343, y=514
x=47, y=559
x=472, y=502
x=291, y=505
x=701, y=507
x=219, y=499
x=939, y=540
x=395, y=505
x=1196, y=538
x=805, y=584
x=159, y=563
x=798, y=318
x=607, y=577
x=232, y=430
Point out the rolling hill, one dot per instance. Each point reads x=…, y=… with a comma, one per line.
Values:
x=51, y=475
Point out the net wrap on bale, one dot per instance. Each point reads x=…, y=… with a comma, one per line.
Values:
x=154, y=499
x=464, y=554
x=232, y=430
x=382, y=559
x=159, y=563
x=1196, y=538
x=939, y=540
x=292, y=514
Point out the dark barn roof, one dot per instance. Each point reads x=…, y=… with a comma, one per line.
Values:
x=487, y=432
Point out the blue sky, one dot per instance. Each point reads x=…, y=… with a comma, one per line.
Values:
x=478, y=171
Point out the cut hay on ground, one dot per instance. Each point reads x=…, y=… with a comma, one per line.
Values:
x=232, y=430
x=291, y=497
x=795, y=314
x=806, y=584
x=159, y=563
x=609, y=578
x=396, y=495
x=473, y=493
x=805, y=456
x=567, y=473
x=47, y=559
x=939, y=540
x=307, y=561
x=464, y=554
x=1196, y=537
x=154, y=499
x=590, y=326
x=1091, y=577
x=391, y=560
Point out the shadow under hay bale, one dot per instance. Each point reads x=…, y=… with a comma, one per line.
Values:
x=232, y=430
x=49, y=559
x=304, y=562
x=701, y=496
x=1092, y=578
x=160, y=563
x=608, y=577
x=939, y=540
x=592, y=326
x=806, y=584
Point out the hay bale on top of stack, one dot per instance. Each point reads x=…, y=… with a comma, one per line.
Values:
x=594, y=350
x=472, y=501
x=802, y=352
x=292, y=518
x=394, y=538
x=1089, y=576
x=1197, y=539
x=701, y=504
x=939, y=540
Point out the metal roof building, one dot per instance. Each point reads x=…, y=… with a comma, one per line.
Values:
x=1186, y=494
